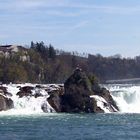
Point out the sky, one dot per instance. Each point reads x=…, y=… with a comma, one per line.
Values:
x=105, y=27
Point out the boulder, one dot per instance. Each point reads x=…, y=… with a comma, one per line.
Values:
x=25, y=91
x=5, y=103
x=55, y=98
x=55, y=101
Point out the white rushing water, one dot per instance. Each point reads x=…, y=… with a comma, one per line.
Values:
x=27, y=105
x=127, y=97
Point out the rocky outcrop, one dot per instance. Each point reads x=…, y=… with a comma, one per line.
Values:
x=25, y=91
x=78, y=94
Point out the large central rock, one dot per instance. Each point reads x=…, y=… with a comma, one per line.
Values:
x=77, y=94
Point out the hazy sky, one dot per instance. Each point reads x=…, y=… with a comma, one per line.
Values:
x=107, y=27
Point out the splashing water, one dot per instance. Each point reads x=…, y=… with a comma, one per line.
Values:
x=127, y=97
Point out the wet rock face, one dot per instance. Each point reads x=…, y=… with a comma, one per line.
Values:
x=103, y=92
x=106, y=95
x=55, y=98
x=5, y=103
x=55, y=101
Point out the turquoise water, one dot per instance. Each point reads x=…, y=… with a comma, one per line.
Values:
x=71, y=127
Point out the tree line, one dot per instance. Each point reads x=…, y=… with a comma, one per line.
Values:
x=45, y=64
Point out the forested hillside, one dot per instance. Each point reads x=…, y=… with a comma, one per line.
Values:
x=41, y=63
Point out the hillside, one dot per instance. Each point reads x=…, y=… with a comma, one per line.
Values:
x=40, y=63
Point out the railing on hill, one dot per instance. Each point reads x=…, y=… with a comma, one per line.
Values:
x=122, y=81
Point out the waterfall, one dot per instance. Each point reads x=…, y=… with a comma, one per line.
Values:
x=28, y=104
x=127, y=97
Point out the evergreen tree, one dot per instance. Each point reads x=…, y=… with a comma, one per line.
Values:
x=52, y=52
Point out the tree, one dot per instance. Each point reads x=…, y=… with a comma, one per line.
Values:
x=52, y=52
